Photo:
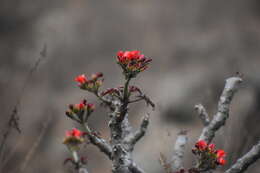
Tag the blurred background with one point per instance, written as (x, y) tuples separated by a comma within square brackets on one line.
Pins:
[(195, 46)]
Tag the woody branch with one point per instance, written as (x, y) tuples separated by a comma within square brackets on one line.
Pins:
[(178, 151), (245, 161), (222, 114), (123, 138)]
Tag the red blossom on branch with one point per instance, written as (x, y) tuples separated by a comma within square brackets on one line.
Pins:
[(91, 84), (80, 112), (132, 62), (220, 153), (208, 156), (81, 79), (74, 133), (201, 145), (221, 161), (211, 147), (73, 138), (118, 100)]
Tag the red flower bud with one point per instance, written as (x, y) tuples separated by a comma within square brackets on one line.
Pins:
[(220, 153), (81, 79), (211, 147), (74, 133), (132, 62), (73, 138), (80, 106), (127, 55), (221, 161), (120, 54), (91, 107), (201, 145)]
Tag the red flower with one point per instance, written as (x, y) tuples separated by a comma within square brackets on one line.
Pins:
[(208, 154), (220, 153), (201, 145), (211, 147), (221, 161), (81, 79), (74, 133), (129, 55), (91, 107), (91, 84), (80, 106), (74, 138), (132, 62), (120, 54)]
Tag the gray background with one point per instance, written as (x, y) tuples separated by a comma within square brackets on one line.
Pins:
[(195, 46)]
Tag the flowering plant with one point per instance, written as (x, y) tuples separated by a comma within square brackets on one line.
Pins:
[(132, 62), (208, 157), (123, 138)]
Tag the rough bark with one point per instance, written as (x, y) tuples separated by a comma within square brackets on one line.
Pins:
[(245, 161), (222, 114), (178, 152)]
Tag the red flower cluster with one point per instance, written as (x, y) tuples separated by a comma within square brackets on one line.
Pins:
[(77, 111), (132, 62), (81, 79), (220, 157), (91, 84), (73, 138), (208, 155), (74, 133), (201, 145)]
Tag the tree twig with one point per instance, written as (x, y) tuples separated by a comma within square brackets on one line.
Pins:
[(133, 138), (245, 161), (99, 142), (220, 118)]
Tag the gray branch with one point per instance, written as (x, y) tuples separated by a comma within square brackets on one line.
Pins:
[(80, 167), (99, 142), (219, 119), (202, 114), (133, 138), (135, 169), (248, 159), (178, 152)]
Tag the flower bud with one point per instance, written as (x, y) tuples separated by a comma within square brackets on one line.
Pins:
[(73, 138)]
